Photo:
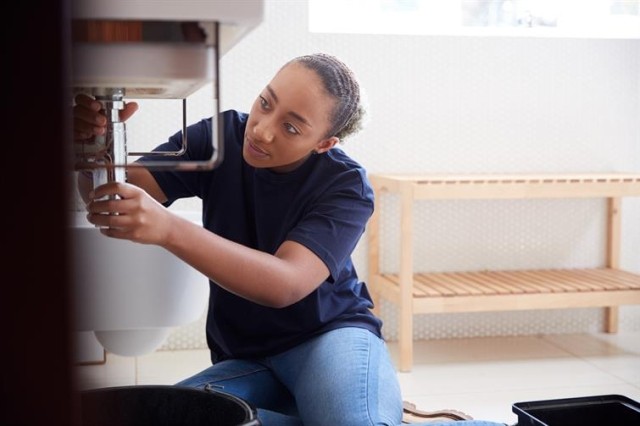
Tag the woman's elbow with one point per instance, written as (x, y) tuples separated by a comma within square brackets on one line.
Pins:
[(287, 296), (284, 300)]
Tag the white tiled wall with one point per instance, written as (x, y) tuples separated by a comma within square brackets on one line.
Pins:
[(461, 104)]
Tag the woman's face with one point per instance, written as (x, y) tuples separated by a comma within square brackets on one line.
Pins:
[(288, 121)]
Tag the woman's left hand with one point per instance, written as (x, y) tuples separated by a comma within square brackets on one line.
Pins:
[(128, 212)]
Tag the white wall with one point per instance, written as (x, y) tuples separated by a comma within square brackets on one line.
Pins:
[(461, 104)]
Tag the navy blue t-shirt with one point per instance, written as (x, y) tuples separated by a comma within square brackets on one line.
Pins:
[(324, 205)]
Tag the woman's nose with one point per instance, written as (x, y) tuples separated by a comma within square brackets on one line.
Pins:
[(263, 131)]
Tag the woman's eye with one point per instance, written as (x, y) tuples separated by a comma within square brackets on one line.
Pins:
[(263, 102), (291, 129)]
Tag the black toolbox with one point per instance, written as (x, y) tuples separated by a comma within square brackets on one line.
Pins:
[(603, 410)]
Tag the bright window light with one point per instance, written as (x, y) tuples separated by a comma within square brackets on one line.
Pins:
[(551, 18)]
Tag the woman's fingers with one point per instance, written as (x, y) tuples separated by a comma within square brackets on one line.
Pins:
[(111, 207), (127, 212), (87, 122), (87, 101), (129, 109), (120, 189), (118, 233)]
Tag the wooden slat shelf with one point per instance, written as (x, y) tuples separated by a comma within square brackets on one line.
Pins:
[(496, 283), (416, 292)]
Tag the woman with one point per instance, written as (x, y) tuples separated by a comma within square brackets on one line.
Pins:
[(289, 325)]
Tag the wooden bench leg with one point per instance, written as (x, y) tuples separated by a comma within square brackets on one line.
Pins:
[(406, 280), (611, 319), (613, 256), (406, 339)]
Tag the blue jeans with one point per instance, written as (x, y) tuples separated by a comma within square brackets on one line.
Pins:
[(343, 377)]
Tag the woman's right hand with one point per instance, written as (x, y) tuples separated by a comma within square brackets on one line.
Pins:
[(88, 119)]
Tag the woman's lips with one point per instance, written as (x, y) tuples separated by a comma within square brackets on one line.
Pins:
[(254, 150)]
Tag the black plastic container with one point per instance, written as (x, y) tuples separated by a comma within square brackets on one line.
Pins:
[(160, 405), (603, 410)]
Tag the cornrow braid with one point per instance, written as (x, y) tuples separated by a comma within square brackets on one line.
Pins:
[(339, 82)]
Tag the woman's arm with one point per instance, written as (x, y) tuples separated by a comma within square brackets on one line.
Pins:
[(276, 281)]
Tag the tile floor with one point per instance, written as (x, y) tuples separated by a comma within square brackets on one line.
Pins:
[(482, 377)]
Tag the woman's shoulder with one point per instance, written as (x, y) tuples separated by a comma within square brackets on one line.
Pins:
[(235, 116), (232, 120), (346, 171), (342, 162)]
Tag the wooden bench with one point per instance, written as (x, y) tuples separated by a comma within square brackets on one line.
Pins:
[(414, 292)]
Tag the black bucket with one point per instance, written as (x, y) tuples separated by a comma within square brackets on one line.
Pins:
[(599, 410), (161, 405)]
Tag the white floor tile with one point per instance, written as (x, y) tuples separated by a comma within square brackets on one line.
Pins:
[(628, 341), (617, 355), (626, 368), (116, 371), (588, 345), (169, 367), (497, 375), (449, 351)]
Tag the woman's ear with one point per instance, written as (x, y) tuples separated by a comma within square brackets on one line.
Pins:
[(326, 144)]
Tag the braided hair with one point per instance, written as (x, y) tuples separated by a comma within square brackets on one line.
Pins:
[(341, 84)]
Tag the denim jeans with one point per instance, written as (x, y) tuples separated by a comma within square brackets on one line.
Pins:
[(341, 378)]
